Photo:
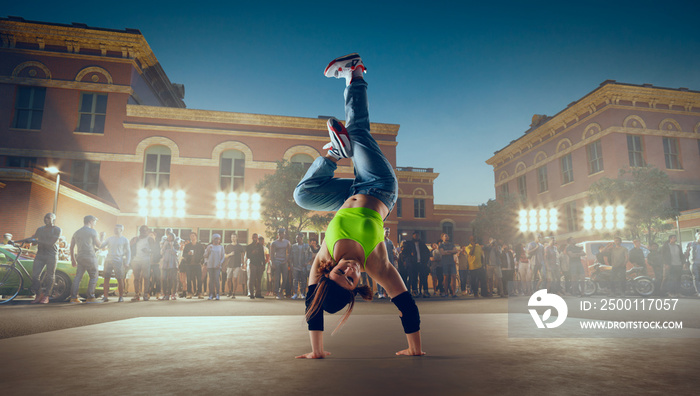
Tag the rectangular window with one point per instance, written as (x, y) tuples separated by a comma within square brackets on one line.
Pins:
[(399, 207), (157, 171), (522, 186), (635, 151), (571, 217), (21, 162), (542, 178), (671, 153), (232, 175), (419, 208), (86, 175), (93, 110), (679, 200), (567, 169), (29, 107), (504, 190), (595, 157)]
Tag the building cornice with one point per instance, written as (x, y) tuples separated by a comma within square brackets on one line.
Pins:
[(224, 117), (80, 40), (130, 43), (232, 132), (609, 95), (581, 144), (460, 209), (412, 176)]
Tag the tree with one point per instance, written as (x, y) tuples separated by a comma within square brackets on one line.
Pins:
[(278, 207), (497, 219), (645, 194)]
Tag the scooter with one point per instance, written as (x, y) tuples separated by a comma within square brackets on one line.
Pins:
[(600, 281)]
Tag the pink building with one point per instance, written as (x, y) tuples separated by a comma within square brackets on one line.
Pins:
[(615, 126)]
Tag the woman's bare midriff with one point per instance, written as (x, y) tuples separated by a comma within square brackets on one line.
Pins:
[(366, 201)]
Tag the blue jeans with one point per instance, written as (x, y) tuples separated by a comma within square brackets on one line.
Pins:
[(374, 175), (280, 278), (214, 274), (45, 285), (89, 265)]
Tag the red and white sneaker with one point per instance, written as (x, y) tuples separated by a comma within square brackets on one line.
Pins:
[(340, 146), (344, 66)]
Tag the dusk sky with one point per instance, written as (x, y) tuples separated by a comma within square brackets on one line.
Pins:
[(462, 79)]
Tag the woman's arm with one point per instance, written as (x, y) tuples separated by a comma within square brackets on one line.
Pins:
[(387, 276)]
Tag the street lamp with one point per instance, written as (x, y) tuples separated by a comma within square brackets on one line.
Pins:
[(55, 171)]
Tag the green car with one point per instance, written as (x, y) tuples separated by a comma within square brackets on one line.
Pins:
[(65, 273)]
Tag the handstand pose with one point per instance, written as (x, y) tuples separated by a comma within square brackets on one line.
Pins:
[(354, 238)]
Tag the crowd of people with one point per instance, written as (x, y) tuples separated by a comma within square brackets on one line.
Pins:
[(171, 267)]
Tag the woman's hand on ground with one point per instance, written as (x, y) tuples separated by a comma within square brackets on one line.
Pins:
[(409, 352), (314, 355)]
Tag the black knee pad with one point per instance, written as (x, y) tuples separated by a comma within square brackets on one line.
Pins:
[(410, 317)]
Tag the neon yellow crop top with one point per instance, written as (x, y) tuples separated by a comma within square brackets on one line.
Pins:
[(362, 225)]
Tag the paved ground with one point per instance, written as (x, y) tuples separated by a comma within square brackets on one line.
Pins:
[(247, 347)]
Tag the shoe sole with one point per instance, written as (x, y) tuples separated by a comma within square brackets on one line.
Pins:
[(340, 138), (345, 58)]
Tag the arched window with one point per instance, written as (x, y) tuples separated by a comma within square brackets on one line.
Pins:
[(232, 170), (304, 160), (156, 170)]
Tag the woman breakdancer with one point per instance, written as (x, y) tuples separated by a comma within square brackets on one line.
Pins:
[(354, 237)]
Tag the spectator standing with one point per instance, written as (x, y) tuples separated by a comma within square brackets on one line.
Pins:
[(494, 276), (214, 257), (255, 257), (418, 260), (477, 272), (235, 268), (507, 269), (619, 255), (143, 249), (403, 263), (463, 269), (436, 270), (551, 259), (118, 258), (193, 256), (300, 258), (47, 237), (693, 249), (169, 267), (523, 268), (576, 270), (636, 256), (449, 267), (674, 261), (535, 254), (85, 241), (279, 254)]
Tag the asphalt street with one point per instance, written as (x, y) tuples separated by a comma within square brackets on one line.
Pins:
[(245, 346)]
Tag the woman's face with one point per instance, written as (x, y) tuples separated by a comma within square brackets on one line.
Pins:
[(346, 274)]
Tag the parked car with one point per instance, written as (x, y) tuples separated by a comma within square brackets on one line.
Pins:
[(65, 273)]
